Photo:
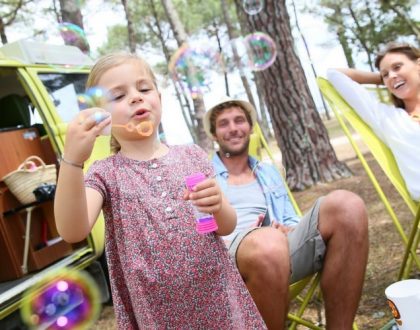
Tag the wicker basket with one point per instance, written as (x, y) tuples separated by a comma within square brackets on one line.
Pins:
[(23, 181)]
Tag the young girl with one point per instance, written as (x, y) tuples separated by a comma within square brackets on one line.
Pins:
[(397, 125), (163, 273)]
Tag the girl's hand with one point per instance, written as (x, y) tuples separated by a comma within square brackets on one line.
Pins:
[(206, 196), (82, 132)]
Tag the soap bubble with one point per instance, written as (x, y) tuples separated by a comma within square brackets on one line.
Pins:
[(95, 97), (256, 52), (252, 7), (261, 50), (193, 66), (56, 37), (65, 300), (74, 35)]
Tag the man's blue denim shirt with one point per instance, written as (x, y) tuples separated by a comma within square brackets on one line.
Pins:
[(280, 209)]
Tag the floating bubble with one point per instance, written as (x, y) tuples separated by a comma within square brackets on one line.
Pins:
[(65, 300), (95, 97), (60, 35), (252, 7), (261, 50), (74, 35), (193, 66)]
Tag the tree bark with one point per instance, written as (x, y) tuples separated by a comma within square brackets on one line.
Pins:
[(307, 152), (130, 29), (198, 102)]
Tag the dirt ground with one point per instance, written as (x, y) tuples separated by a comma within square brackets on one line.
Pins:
[(386, 246)]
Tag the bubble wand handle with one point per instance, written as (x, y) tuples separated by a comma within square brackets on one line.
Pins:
[(205, 223)]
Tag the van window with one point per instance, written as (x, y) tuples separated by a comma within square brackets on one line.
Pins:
[(63, 89), (16, 109)]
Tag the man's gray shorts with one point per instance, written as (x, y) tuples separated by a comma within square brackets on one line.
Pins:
[(306, 246)]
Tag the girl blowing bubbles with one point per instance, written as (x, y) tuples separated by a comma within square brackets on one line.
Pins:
[(163, 273)]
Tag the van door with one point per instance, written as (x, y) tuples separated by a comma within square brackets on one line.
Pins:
[(31, 124), (57, 95)]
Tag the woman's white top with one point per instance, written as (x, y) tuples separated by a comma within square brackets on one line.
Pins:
[(392, 125)]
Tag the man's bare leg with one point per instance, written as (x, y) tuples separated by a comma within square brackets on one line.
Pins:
[(263, 261), (343, 225)]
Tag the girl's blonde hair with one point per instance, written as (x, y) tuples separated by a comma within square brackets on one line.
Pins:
[(110, 61), (411, 52)]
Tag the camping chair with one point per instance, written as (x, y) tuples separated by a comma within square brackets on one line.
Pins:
[(311, 282), (386, 160)]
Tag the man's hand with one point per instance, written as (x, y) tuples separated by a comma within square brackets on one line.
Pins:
[(281, 227)]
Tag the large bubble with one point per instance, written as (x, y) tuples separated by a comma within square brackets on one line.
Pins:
[(74, 35), (65, 300), (261, 50), (255, 52), (193, 66), (252, 7), (60, 35)]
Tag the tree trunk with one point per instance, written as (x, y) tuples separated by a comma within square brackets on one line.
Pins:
[(130, 30), (2, 32), (236, 58), (70, 13), (307, 152), (345, 46), (360, 36), (198, 102)]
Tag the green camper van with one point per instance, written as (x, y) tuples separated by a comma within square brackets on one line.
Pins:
[(38, 96)]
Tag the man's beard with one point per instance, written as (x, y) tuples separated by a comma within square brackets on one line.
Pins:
[(228, 152)]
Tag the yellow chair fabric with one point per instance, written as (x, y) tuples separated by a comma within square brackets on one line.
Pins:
[(383, 155)]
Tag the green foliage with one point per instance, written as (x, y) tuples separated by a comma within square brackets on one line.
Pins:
[(364, 25)]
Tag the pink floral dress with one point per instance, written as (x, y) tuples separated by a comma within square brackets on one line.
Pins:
[(164, 275)]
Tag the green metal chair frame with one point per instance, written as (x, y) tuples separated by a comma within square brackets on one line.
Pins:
[(383, 155), (311, 282)]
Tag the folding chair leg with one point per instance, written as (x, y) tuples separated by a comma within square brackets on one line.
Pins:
[(410, 253), (296, 318)]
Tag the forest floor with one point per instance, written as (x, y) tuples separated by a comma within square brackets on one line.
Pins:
[(386, 248)]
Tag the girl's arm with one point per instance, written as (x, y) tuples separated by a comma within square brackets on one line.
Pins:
[(362, 77), (76, 208), (74, 219), (225, 217)]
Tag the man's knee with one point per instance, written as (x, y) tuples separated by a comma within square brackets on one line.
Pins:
[(344, 210), (264, 251)]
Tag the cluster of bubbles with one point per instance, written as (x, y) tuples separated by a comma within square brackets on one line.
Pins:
[(253, 7), (65, 300), (192, 66)]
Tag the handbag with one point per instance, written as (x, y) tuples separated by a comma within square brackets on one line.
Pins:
[(30, 175)]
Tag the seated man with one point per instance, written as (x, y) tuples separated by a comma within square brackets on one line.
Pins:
[(332, 237)]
